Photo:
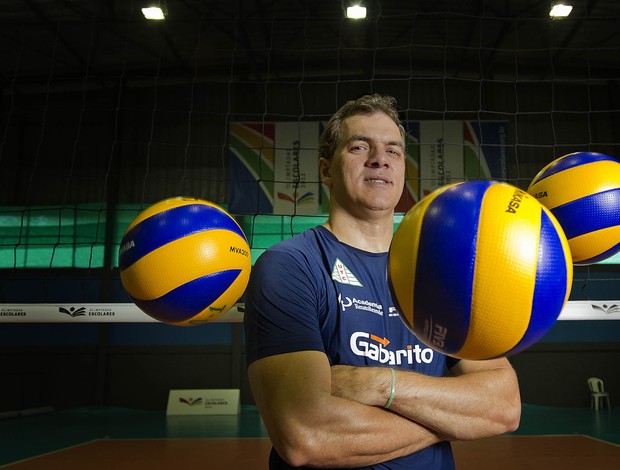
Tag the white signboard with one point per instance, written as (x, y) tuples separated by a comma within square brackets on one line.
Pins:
[(203, 402)]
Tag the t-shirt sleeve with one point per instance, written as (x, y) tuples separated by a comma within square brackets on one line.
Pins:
[(281, 306), (451, 361)]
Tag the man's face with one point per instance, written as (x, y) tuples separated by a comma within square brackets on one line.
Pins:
[(367, 170)]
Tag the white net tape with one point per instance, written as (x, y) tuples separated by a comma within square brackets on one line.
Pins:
[(129, 313)]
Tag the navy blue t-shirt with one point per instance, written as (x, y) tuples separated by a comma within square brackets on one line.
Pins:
[(312, 292)]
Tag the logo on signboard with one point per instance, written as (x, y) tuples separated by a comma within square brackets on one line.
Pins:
[(72, 311), (607, 309), (191, 401)]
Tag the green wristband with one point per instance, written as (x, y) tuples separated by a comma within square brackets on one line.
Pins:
[(392, 389)]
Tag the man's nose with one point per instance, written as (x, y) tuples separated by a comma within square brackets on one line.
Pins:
[(378, 158)]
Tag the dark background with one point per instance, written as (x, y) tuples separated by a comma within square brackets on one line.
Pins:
[(99, 105)]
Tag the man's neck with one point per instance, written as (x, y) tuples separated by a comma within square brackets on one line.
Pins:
[(373, 234)]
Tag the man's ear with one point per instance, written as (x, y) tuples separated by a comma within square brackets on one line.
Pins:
[(325, 170)]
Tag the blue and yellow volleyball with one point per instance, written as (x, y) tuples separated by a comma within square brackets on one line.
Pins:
[(184, 261), (479, 270), (582, 190)]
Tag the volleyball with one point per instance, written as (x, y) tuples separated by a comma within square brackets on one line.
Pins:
[(479, 270), (582, 190), (184, 261)]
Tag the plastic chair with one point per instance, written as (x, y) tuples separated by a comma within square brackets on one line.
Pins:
[(598, 395)]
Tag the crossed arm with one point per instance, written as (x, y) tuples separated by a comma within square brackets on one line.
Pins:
[(480, 399), (323, 416)]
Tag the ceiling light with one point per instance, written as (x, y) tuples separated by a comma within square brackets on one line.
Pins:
[(356, 12), (154, 12), (560, 10)]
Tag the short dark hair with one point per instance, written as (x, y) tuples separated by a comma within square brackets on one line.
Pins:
[(366, 104)]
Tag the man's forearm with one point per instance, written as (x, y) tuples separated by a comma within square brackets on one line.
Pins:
[(472, 405)]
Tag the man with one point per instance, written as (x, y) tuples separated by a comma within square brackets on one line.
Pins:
[(338, 378)]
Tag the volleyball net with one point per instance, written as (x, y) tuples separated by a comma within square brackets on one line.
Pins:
[(103, 114)]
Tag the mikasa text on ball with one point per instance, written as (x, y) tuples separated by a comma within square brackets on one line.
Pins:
[(582, 190), (479, 270), (184, 261)]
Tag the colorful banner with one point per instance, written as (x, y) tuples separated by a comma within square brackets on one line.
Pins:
[(273, 167), (250, 168), (296, 168), (484, 149), (411, 192), (441, 154)]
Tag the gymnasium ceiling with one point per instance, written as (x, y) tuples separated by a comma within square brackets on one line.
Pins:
[(72, 41)]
